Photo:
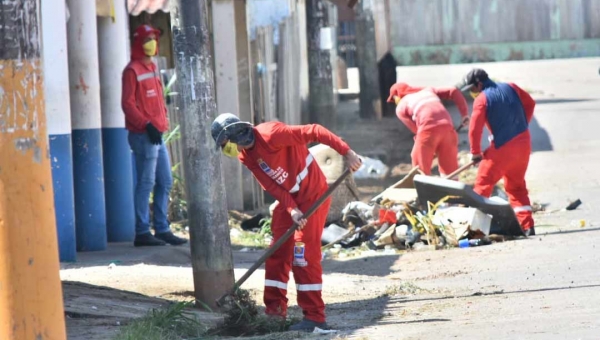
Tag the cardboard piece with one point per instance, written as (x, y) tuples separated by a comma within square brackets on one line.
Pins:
[(399, 195), (404, 183), (461, 220)]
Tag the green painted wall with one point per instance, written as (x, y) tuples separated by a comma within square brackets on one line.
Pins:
[(457, 54), (461, 31)]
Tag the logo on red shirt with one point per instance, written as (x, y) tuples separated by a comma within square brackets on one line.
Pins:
[(278, 175)]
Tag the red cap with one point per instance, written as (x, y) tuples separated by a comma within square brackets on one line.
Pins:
[(401, 90), (141, 33)]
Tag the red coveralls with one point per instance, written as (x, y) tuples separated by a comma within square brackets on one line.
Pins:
[(510, 160), (142, 97), (284, 167), (422, 111)]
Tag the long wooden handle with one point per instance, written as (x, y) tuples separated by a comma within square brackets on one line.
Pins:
[(460, 170), (285, 236)]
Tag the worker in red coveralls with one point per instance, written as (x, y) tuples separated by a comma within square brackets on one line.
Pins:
[(506, 110), (146, 120), (279, 159), (422, 111)]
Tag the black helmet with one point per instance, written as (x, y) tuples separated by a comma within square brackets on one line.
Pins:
[(228, 126), (474, 76)]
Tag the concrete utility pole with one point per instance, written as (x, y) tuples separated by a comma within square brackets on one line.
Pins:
[(212, 260), (320, 72), (31, 305), (366, 48)]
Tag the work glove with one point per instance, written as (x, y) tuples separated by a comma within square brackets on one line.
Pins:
[(298, 218), (477, 158), (154, 135)]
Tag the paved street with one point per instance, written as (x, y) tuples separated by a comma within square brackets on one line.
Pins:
[(547, 287)]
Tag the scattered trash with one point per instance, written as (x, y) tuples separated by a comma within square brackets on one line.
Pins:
[(94, 308), (334, 232), (363, 210), (234, 233), (444, 214), (112, 265), (573, 205), (466, 243), (388, 250), (245, 250), (461, 220), (578, 223), (504, 220), (324, 331), (371, 168)]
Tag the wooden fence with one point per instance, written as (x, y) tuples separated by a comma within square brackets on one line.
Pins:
[(276, 73), (275, 78)]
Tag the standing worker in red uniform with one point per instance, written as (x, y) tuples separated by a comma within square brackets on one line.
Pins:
[(506, 110), (279, 159), (422, 111), (146, 120)]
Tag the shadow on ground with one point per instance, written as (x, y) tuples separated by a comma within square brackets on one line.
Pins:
[(370, 266)]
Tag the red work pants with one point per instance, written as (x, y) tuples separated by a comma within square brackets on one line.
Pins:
[(509, 162), (441, 141), (308, 278)]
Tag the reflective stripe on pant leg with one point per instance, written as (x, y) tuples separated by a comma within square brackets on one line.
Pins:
[(278, 265), (522, 208), (309, 280), (276, 284), (309, 287)]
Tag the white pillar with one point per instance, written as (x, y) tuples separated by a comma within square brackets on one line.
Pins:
[(58, 117), (88, 173), (113, 48), (233, 88)]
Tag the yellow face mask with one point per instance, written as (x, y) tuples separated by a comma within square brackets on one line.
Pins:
[(474, 94), (150, 48), (397, 99), (230, 150)]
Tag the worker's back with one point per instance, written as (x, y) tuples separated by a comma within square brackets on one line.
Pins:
[(505, 114)]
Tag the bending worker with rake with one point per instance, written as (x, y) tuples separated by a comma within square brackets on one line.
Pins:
[(423, 113), (279, 159)]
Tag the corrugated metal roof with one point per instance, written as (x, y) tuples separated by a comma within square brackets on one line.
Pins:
[(135, 7)]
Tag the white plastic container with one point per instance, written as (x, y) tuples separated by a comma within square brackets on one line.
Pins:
[(459, 217)]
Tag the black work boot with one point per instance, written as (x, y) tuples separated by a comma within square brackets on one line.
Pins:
[(170, 238), (147, 240), (308, 326), (530, 232)]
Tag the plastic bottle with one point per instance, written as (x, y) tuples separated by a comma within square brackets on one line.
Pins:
[(465, 243)]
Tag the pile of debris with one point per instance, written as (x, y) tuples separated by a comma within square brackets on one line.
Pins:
[(412, 213)]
